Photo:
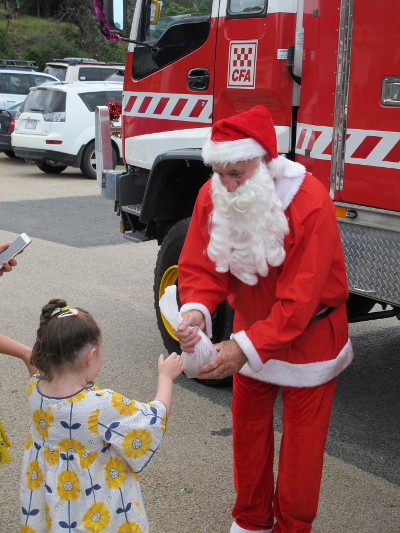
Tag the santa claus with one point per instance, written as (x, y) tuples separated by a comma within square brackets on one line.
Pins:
[(264, 236)]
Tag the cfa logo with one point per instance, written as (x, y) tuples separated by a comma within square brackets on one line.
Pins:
[(242, 64)]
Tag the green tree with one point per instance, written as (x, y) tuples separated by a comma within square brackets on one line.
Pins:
[(5, 45)]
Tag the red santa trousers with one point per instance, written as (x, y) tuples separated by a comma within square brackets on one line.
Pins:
[(306, 414)]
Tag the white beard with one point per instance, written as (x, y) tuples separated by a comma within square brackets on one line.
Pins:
[(247, 227)]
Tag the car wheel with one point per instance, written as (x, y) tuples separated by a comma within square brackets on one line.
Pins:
[(10, 153), (88, 162), (166, 274), (50, 168)]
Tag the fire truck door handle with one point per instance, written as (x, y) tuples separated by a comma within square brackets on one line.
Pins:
[(198, 79)]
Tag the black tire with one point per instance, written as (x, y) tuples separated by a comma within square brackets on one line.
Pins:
[(358, 305), (165, 274), (50, 168), (88, 161), (10, 153)]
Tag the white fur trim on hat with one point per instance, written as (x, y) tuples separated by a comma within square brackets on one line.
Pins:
[(231, 151)]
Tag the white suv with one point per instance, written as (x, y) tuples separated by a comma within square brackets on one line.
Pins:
[(81, 69), (55, 126), (16, 77)]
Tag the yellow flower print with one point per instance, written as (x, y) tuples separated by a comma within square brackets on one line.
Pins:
[(115, 473), (47, 516), (163, 421), (31, 386), (77, 397), (136, 443), (29, 440), (43, 421), (34, 476), (129, 527), (96, 518), (123, 405), (93, 422), (71, 445), (87, 459), (4, 455), (51, 456), (27, 529), (68, 488), (137, 505)]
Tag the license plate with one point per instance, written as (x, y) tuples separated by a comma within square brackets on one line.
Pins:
[(30, 124)]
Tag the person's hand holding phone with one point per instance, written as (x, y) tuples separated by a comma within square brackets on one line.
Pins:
[(7, 265), (8, 251)]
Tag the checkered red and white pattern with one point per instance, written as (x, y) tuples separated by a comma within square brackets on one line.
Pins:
[(243, 56), (242, 64)]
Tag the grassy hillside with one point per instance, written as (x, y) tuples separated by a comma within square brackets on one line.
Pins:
[(41, 40)]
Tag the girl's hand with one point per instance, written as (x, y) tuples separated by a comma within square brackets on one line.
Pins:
[(170, 367)]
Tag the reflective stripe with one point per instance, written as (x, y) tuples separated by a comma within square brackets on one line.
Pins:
[(167, 106), (363, 147)]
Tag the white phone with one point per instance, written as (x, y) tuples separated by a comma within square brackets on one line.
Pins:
[(15, 248)]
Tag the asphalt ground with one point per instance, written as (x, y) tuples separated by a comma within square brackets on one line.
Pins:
[(78, 253)]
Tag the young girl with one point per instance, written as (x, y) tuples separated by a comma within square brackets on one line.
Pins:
[(86, 445)]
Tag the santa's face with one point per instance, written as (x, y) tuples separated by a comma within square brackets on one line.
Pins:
[(234, 174), (247, 224)]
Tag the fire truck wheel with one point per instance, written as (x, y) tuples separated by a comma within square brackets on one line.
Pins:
[(358, 305), (166, 274), (88, 162), (50, 168)]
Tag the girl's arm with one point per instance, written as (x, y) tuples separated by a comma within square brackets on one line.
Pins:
[(16, 349), (168, 370)]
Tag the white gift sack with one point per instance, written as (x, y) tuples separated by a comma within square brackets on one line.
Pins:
[(204, 349)]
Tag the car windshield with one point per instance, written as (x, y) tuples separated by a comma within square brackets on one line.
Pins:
[(167, 13), (15, 107), (58, 72), (94, 99), (45, 101), (94, 73)]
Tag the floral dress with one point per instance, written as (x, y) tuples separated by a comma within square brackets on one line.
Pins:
[(82, 458), (4, 444)]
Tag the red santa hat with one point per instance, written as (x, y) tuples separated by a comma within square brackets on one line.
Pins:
[(244, 136)]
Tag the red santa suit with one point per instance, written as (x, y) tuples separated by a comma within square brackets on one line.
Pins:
[(272, 327)]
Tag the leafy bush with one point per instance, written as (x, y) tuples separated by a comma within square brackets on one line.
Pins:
[(41, 40), (6, 49)]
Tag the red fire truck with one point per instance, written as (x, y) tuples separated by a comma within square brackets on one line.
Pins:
[(328, 71)]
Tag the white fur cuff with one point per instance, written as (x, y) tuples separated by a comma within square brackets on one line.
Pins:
[(254, 361), (203, 309)]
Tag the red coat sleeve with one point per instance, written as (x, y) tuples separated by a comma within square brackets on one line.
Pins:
[(198, 280)]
